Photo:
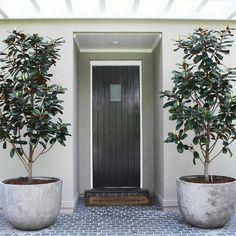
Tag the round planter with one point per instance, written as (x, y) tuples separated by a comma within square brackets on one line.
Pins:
[(32, 207), (206, 205)]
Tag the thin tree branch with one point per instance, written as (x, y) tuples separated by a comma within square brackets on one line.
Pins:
[(219, 152), (42, 152), (198, 99), (35, 146), (213, 145), (22, 146), (215, 156), (20, 157), (218, 48), (192, 151), (214, 109), (202, 150)]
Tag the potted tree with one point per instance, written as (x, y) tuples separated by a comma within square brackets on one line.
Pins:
[(204, 109), (29, 127)]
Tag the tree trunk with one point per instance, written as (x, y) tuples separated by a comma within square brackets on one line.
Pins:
[(206, 171), (30, 164), (206, 157), (30, 172)]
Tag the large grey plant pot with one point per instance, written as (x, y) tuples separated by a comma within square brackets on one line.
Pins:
[(32, 207), (206, 205)]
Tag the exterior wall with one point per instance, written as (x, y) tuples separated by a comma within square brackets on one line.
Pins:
[(158, 121), (84, 114), (60, 161), (76, 126)]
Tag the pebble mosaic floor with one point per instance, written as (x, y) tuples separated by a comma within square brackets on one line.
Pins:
[(118, 221)]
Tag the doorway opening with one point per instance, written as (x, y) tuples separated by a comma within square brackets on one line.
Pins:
[(116, 124)]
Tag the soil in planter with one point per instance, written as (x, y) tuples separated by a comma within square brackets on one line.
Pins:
[(24, 181), (214, 179)]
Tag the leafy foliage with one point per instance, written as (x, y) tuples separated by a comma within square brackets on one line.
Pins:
[(29, 103), (201, 100)]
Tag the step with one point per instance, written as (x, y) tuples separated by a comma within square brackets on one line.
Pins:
[(115, 192)]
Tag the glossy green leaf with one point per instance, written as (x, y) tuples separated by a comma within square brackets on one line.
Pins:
[(12, 152), (195, 156), (179, 124), (168, 104), (195, 140), (180, 148), (224, 149)]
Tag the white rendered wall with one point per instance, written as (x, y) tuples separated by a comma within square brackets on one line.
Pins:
[(158, 121), (60, 161), (76, 191)]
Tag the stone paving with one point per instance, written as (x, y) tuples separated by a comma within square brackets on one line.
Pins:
[(117, 221)]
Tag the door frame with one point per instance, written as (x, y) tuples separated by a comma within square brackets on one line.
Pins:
[(116, 63)]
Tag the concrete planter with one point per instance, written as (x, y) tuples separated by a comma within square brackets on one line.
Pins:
[(32, 207), (206, 205)]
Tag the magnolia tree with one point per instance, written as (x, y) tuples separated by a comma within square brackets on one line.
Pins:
[(201, 101), (29, 102)]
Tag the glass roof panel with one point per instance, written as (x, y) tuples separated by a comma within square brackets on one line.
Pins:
[(85, 8), (184, 9), (219, 9), (17, 8), (151, 8), (141, 9), (52, 8), (118, 8)]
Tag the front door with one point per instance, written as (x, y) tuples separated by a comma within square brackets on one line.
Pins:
[(116, 126)]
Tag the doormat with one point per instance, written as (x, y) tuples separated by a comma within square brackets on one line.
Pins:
[(134, 200)]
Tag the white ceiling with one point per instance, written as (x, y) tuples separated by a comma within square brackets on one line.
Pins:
[(117, 42), (118, 9)]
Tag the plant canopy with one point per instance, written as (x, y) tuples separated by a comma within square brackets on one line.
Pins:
[(201, 101), (29, 103)]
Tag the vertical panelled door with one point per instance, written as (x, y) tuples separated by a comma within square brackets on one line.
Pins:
[(116, 126)]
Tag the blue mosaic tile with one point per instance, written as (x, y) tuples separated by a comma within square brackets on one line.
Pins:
[(120, 220)]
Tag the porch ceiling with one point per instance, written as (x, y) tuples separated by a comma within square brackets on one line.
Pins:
[(118, 9), (121, 42)]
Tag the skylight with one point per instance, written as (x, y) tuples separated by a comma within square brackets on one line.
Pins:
[(118, 9)]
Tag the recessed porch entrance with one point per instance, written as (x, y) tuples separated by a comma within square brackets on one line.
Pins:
[(145, 50)]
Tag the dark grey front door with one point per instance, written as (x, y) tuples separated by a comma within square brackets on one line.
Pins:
[(116, 126)]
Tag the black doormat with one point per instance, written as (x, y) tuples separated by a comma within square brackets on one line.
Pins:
[(129, 200)]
